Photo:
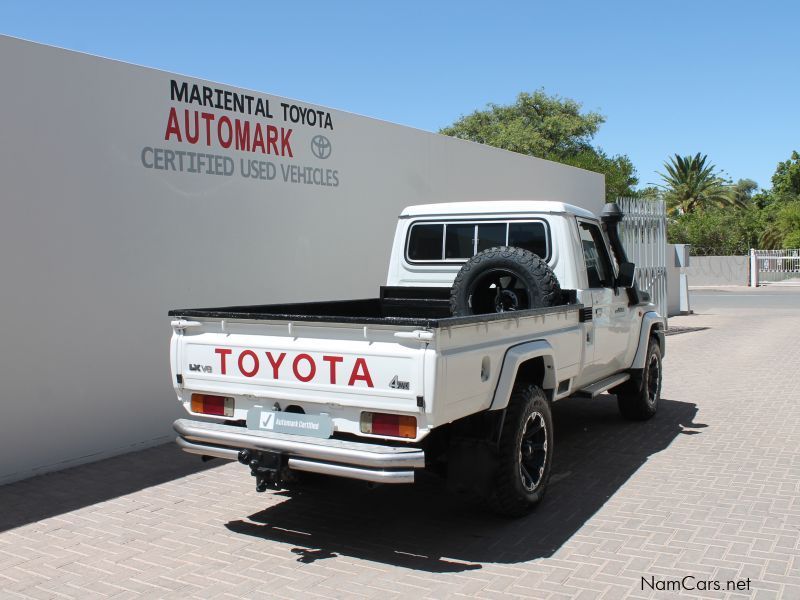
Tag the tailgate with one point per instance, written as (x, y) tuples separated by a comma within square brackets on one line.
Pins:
[(333, 364)]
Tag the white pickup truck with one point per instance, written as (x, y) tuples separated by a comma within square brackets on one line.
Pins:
[(492, 312)]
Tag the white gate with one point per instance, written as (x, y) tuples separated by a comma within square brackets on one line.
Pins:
[(774, 266), (643, 232)]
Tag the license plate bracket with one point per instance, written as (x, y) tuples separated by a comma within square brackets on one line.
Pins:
[(320, 426)]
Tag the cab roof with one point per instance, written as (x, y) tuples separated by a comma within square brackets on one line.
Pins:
[(493, 207)]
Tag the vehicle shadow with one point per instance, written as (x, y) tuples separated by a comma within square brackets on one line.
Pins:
[(426, 528), (53, 494)]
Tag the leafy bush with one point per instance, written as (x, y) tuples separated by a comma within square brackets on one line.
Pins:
[(718, 231)]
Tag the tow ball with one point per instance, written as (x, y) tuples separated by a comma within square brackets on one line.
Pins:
[(265, 466)]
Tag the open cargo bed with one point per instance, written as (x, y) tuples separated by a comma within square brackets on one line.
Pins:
[(427, 307)]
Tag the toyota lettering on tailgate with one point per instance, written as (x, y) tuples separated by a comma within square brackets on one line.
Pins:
[(302, 367)]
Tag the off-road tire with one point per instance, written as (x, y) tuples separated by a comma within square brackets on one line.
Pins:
[(638, 397), (537, 285), (528, 409)]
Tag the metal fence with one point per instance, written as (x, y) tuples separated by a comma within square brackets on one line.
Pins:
[(644, 234), (774, 266)]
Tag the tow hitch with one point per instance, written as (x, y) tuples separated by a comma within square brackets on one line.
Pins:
[(265, 466)]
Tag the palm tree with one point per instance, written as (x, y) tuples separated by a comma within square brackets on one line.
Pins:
[(691, 185)]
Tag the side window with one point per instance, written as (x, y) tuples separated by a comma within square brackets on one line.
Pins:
[(459, 240), (529, 236), (425, 242), (491, 235), (598, 264)]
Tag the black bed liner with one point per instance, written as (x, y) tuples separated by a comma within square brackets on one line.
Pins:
[(427, 307)]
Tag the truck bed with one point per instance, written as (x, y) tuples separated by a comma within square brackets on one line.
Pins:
[(340, 360), (427, 307)]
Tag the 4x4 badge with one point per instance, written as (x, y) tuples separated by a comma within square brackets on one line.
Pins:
[(396, 384)]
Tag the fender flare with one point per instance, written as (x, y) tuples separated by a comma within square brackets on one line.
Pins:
[(652, 322), (514, 357)]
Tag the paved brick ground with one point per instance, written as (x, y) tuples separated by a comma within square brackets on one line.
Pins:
[(709, 488)]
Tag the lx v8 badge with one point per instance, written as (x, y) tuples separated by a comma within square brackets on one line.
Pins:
[(201, 368)]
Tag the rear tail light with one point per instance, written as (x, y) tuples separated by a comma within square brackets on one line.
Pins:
[(207, 404), (391, 425)]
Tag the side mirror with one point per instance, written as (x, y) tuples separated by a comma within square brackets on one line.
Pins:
[(626, 275)]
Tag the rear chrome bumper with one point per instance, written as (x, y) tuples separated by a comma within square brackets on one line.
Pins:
[(354, 460)]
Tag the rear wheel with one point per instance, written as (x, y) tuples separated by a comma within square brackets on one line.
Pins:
[(525, 453), (638, 398)]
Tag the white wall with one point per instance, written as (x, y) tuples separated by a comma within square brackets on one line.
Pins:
[(95, 248), (718, 270)]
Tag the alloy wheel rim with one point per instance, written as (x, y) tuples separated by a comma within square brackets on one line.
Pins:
[(498, 291), (653, 379), (533, 451)]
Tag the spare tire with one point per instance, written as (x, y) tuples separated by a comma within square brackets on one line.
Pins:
[(503, 279)]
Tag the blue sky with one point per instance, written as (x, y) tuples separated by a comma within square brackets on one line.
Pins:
[(721, 78)]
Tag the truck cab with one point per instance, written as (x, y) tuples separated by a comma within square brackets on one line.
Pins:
[(433, 241)]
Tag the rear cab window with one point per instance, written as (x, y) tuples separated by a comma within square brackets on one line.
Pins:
[(428, 242), (458, 241)]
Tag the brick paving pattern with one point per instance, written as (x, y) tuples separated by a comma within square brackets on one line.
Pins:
[(709, 488)]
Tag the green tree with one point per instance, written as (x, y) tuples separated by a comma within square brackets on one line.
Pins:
[(548, 127), (786, 180), (702, 214), (744, 191), (650, 192), (783, 225), (792, 240), (781, 206), (690, 184), (619, 171), (718, 231)]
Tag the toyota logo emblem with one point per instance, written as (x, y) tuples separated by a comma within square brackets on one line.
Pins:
[(321, 146)]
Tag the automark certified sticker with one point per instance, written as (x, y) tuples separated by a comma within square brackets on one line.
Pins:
[(289, 422)]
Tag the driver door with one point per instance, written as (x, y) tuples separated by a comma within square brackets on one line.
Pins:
[(609, 304)]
